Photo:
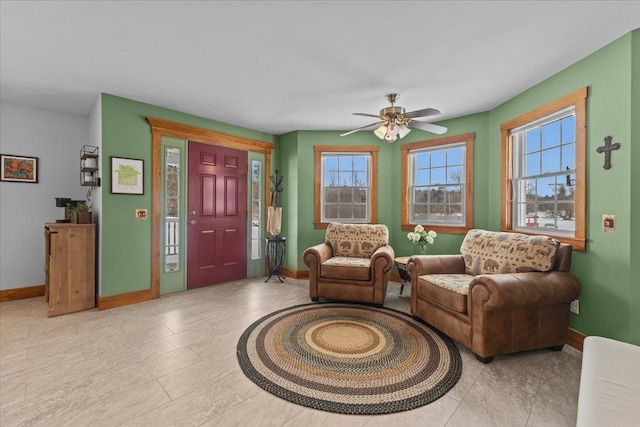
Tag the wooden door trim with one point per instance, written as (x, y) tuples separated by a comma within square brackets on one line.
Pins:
[(228, 259), (160, 128)]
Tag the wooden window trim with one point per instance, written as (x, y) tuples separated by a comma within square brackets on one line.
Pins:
[(578, 100), (370, 149), (467, 139)]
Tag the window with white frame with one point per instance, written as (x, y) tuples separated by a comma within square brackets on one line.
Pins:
[(438, 178), (437, 188), (345, 184), (543, 171), (256, 209), (345, 187), (172, 196), (544, 174)]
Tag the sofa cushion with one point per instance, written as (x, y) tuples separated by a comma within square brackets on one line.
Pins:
[(449, 290), (349, 268), (356, 240), (458, 283), (489, 252)]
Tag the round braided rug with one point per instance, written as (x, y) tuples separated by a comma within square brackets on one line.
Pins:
[(347, 358)]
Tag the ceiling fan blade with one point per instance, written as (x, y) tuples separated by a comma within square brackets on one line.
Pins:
[(429, 127), (422, 113), (372, 125), (366, 115)]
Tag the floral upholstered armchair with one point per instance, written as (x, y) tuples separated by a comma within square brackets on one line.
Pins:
[(504, 292), (352, 264)]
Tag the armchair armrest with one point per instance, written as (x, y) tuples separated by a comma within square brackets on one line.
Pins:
[(420, 265), (317, 254), (500, 291), (313, 257), (382, 260)]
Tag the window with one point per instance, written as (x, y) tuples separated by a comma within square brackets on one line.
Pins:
[(256, 209), (346, 184), (437, 183), (172, 209), (543, 176)]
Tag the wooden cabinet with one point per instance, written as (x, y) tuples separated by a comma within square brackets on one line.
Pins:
[(70, 253)]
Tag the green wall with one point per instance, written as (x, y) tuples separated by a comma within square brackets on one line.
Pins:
[(126, 242), (297, 160), (633, 145), (609, 269), (289, 199), (610, 299), (607, 300), (297, 157)]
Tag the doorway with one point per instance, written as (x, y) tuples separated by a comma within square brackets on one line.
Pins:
[(163, 128), (216, 215)]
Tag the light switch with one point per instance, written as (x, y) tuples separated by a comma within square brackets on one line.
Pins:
[(141, 214)]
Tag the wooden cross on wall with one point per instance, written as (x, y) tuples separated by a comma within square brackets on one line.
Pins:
[(606, 149)]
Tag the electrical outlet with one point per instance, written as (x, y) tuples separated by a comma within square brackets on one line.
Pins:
[(575, 306)]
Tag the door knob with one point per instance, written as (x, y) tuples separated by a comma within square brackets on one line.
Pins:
[(193, 212), (193, 222)]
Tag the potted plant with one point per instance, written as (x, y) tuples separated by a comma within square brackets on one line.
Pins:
[(80, 213)]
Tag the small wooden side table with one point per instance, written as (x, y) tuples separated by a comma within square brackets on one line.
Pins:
[(401, 264)]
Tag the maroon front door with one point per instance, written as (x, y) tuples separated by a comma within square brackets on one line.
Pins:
[(217, 216)]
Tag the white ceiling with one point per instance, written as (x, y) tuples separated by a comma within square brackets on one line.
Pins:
[(279, 66)]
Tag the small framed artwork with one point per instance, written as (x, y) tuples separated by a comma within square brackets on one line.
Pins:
[(127, 176), (18, 168)]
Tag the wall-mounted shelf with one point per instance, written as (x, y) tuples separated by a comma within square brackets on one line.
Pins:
[(89, 166)]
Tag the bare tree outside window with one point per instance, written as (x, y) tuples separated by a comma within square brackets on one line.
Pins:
[(546, 154), (438, 178), (345, 187)]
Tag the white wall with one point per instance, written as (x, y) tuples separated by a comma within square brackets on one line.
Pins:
[(56, 140), (95, 130)]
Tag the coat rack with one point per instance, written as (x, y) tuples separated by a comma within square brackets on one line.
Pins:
[(276, 245), (276, 187)]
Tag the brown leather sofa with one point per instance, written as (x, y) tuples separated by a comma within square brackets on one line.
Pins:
[(504, 293), (352, 264)]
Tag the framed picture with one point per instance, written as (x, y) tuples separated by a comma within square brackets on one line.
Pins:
[(18, 168), (127, 176)]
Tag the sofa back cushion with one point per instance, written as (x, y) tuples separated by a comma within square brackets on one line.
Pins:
[(490, 252), (356, 240)]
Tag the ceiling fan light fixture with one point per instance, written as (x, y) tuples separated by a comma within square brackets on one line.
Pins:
[(403, 131), (381, 131), (392, 133), (389, 138), (394, 123)]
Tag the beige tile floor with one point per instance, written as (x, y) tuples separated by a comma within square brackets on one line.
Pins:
[(172, 362)]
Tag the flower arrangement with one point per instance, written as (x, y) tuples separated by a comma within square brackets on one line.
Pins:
[(421, 237)]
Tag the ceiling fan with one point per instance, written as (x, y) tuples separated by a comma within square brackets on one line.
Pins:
[(394, 123)]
